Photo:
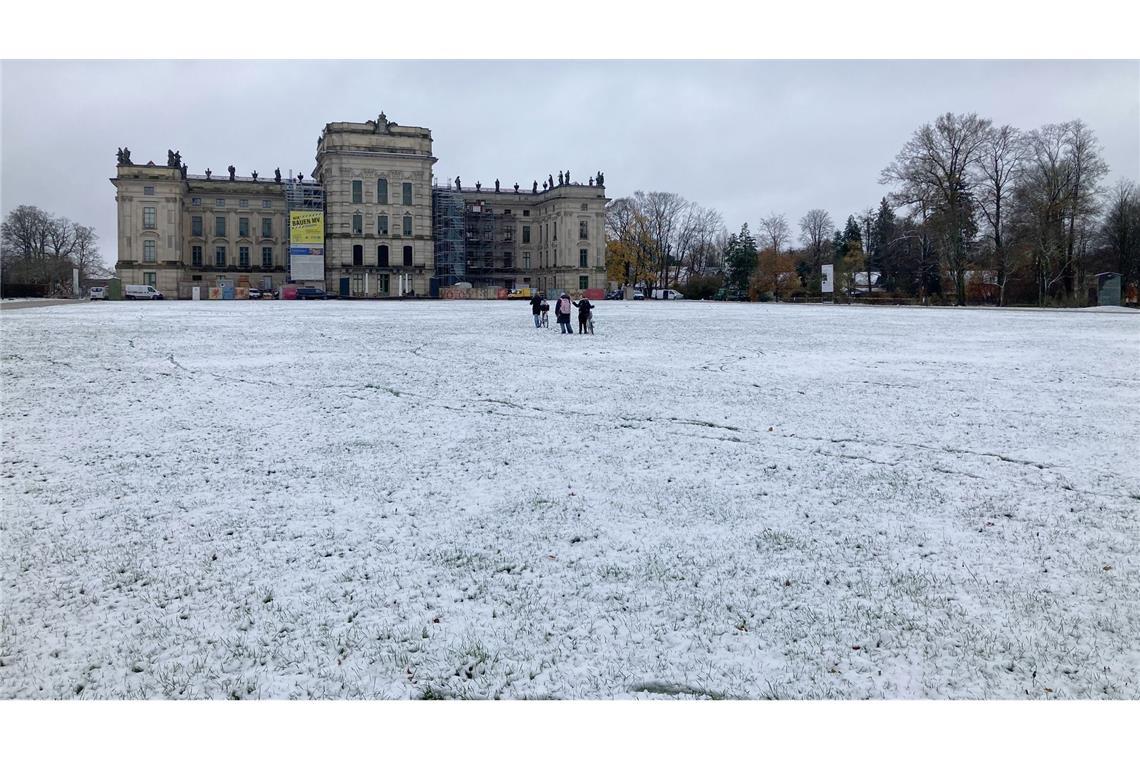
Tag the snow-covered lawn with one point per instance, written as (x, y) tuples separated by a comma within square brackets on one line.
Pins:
[(349, 500)]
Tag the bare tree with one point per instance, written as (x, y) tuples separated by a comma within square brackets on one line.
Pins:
[(1042, 200), (816, 229), (40, 250), (775, 232), (1088, 168), (1003, 157), (936, 164)]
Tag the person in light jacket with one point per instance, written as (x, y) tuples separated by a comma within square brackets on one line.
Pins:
[(562, 311)]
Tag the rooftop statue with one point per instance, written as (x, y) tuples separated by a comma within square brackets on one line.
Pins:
[(232, 171), (277, 175)]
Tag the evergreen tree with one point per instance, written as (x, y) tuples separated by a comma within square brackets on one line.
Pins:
[(740, 258), (882, 247)]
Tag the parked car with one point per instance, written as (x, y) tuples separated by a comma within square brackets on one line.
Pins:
[(667, 294), (638, 295), (307, 294), (98, 294), (254, 293), (614, 295), (144, 292)]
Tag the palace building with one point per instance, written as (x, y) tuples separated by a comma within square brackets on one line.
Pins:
[(391, 228)]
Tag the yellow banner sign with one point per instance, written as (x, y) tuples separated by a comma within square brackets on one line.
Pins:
[(306, 228)]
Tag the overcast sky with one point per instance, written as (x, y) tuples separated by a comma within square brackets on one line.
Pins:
[(746, 138)]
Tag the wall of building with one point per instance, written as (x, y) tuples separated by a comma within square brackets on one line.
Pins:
[(157, 206), (367, 152)]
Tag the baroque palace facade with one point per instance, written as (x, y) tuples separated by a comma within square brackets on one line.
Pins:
[(391, 229)]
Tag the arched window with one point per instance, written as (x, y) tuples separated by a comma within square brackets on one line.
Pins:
[(382, 256), (407, 255), (358, 255)]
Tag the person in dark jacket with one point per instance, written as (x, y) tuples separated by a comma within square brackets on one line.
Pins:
[(585, 322), (562, 311), (536, 308)]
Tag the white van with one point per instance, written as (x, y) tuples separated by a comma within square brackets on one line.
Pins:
[(145, 292), (667, 294)]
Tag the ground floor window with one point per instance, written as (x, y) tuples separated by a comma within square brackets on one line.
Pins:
[(583, 282), (358, 284), (382, 283), (150, 278), (267, 283)]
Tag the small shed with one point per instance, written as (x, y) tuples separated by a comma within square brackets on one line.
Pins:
[(1108, 289)]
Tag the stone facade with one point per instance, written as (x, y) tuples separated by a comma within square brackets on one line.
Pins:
[(377, 181), (177, 230)]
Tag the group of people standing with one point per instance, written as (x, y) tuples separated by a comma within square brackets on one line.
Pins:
[(563, 308)]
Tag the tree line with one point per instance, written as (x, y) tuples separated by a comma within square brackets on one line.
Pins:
[(39, 250), (974, 212)]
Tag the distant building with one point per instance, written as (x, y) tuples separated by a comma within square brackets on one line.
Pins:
[(390, 227)]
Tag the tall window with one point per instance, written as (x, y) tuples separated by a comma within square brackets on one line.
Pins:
[(382, 191), (382, 256), (243, 226), (382, 283), (554, 227), (358, 255), (407, 255), (583, 282), (583, 258), (267, 257), (407, 193), (148, 252), (220, 226), (243, 256), (196, 226), (526, 233), (358, 284), (382, 224), (357, 224), (526, 261), (195, 255), (149, 278), (583, 230), (408, 225), (267, 226), (220, 256), (150, 218), (357, 191)]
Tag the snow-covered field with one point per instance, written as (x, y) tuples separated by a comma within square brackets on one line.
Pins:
[(357, 500)]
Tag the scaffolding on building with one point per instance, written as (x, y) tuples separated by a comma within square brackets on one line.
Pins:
[(303, 196), (448, 226), (490, 246)]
